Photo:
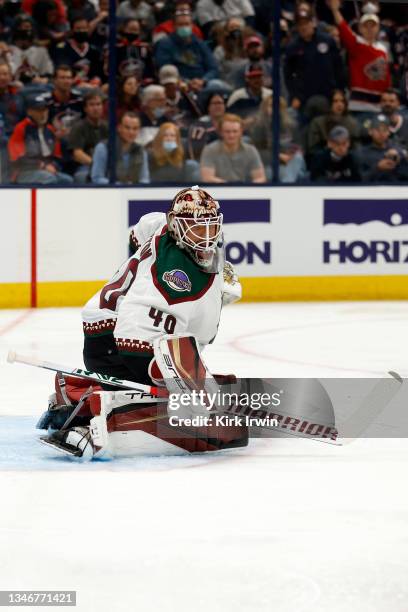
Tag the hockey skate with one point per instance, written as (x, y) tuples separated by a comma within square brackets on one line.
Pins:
[(76, 442)]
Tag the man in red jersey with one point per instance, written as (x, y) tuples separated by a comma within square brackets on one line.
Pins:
[(368, 60)]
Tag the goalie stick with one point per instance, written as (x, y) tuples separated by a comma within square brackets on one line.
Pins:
[(372, 405), (143, 390), (368, 410)]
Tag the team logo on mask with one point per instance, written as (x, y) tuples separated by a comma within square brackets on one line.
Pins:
[(177, 280)]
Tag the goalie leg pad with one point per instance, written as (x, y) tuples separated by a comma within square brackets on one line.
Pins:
[(128, 426), (70, 391)]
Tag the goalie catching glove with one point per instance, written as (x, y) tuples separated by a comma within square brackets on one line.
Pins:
[(232, 290)]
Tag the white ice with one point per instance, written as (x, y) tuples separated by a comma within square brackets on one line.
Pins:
[(281, 526)]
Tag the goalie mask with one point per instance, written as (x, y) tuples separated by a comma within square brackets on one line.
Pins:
[(195, 224)]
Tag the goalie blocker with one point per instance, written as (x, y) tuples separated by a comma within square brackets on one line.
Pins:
[(83, 420)]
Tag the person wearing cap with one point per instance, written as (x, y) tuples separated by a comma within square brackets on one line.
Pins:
[(182, 105), (245, 102), (192, 56), (382, 160), (313, 65), (369, 70), (34, 150), (255, 54), (335, 163), (153, 113)]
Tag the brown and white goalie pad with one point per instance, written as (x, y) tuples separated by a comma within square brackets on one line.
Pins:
[(126, 425)]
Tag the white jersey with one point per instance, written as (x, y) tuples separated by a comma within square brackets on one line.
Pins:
[(159, 290)]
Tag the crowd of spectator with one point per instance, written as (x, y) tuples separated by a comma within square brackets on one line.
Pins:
[(194, 92)]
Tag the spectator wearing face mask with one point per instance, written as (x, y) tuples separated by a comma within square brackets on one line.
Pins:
[(382, 161), (230, 52), (167, 162), (78, 53), (153, 113), (213, 11), (368, 60), (189, 54), (167, 27), (133, 55), (29, 62), (335, 163), (398, 121)]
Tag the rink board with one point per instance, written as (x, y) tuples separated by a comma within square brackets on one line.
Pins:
[(60, 245)]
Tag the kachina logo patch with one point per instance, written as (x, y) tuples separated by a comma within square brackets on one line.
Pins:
[(177, 280), (365, 231)]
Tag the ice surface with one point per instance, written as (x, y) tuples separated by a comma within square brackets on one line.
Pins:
[(285, 525)]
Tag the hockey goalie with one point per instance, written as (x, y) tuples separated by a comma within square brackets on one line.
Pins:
[(149, 324)]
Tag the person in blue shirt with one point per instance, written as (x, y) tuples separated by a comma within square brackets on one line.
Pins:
[(191, 55), (131, 158)]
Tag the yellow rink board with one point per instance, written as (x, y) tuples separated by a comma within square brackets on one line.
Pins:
[(15, 295), (301, 288)]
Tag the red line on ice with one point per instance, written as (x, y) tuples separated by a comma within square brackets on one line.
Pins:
[(33, 248), (24, 315), (254, 353)]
